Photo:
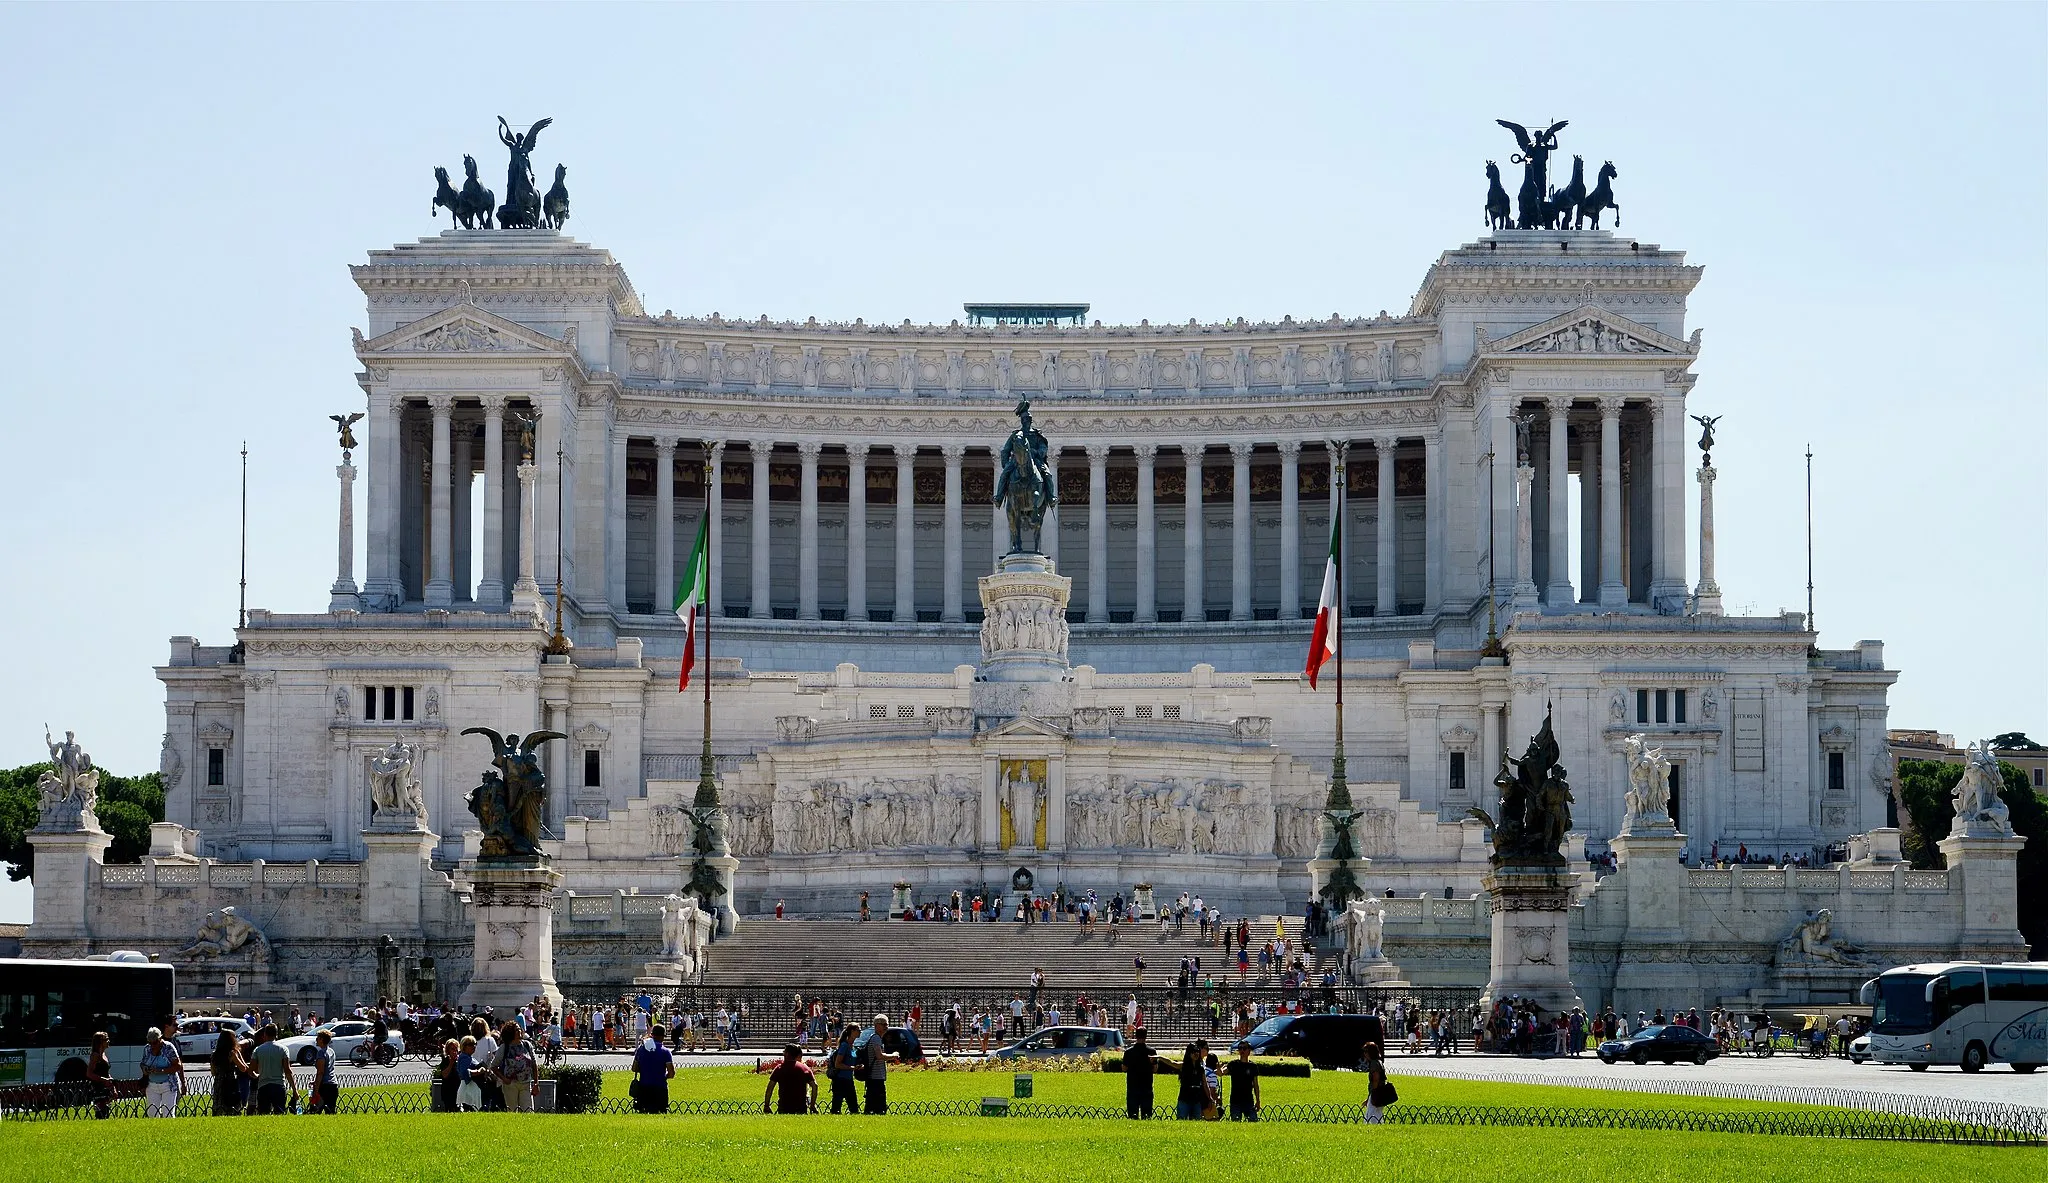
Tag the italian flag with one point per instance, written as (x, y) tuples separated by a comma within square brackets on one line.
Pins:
[(1322, 644), (694, 589)]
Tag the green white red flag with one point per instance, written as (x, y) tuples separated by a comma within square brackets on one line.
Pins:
[(1322, 644), (691, 593)]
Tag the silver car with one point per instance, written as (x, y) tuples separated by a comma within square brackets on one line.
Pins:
[(1047, 1042), (198, 1034)]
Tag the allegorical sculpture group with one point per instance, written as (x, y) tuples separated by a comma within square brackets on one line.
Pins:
[(1535, 805), (1538, 206), (525, 208)]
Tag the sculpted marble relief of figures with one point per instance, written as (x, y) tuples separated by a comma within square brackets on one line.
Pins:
[(872, 813), (1175, 813)]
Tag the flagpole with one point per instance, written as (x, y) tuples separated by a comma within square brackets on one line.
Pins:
[(1340, 790), (707, 784)]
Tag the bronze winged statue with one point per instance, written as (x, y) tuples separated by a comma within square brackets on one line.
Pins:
[(1534, 211), (345, 422), (511, 802)]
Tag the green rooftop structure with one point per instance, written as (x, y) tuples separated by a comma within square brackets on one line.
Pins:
[(1026, 314)]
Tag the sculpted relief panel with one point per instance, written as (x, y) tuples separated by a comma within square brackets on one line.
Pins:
[(1174, 813), (834, 814)]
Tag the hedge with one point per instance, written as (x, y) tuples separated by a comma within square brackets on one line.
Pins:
[(576, 1087)]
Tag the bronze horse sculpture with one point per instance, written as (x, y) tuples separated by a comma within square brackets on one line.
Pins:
[(1601, 198), (445, 197), (555, 206), (1497, 214), (476, 200), (1565, 201)]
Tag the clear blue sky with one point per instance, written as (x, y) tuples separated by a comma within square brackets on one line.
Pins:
[(185, 188)]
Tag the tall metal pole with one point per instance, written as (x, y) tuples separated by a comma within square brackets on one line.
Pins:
[(242, 605), (707, 782), (1340, 788), (559, 643), (1810, 627)]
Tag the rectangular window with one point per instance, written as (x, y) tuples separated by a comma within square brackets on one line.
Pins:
[(216, 766), (1145, 712), (1678, 706), (1116, 712), (1677, 787), (390, 703), (406, 712), (1457, 772), (1663, 706), (1172, 711), (2037, 778), (877, 711), (1836, 781), (906, 712), (593, 768), (1642, 706), (369, 703)]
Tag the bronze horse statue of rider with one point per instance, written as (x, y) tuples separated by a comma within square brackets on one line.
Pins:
[(1027, 486)]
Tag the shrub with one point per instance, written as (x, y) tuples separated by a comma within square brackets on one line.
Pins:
[(576, 1087)]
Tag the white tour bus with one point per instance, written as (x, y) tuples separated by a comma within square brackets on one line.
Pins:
[(1966, 1013), (50, 1009)]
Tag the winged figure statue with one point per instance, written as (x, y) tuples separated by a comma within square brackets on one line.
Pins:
[(1533, 200), (511, 802), (345, 423)]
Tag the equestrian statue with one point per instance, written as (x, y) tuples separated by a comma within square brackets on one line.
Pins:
[(1028, 485)]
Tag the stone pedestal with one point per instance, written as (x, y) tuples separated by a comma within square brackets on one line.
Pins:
[(526, 600), (726, 867), (1377, 972), (1142, 903), (1023, 667), (395, 869), (1656, 888), (1876, 848), (1989, 868), (1531, 907), (899, 898), (515, 936), (64, 862)]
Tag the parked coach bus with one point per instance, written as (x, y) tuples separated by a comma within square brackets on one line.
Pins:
[(1965, 1013), (50, 1009)]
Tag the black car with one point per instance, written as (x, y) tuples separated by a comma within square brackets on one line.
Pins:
[(1326, 1041), (1670, 1043)]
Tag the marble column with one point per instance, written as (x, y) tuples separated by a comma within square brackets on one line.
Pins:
[(1098, 533), (857, 530), (1668, 535), (1501, 468), (1049, 536), (490, 590), (906, 533), (440, 587), (998, 521), (615, 524), (382, 587), (1290, 530), (807, 532), (1709, 591), (342, 596), (462, 476), (1240, 531), (1147, 609), (949, 602), (525, 588), (757, 582), (664, 522), (1613, 592), (1191, 565), (1525, 529), (714, 450), (1558, 589), (1386, 532), (1589, 518), (1433, 521)]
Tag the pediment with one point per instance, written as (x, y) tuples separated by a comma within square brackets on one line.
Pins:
[(463, 328), (1026, 726), (1590, 329)]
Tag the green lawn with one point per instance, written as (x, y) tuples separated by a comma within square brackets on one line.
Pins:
[(541, 1149)]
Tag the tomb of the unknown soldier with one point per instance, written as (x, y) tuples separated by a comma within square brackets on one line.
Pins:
[(776, 627)]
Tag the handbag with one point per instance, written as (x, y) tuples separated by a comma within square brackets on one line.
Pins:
[(1384, 1094), (469, 1096)]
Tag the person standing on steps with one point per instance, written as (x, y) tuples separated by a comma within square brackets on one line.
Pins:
[(1139, 1062)]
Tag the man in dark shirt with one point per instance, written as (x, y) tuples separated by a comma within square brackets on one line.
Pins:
[(1139, 1062), (799, 1086), (1244, 1086), (1194, 1082)]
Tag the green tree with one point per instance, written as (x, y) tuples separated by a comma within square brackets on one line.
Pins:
[(127, 806), (2015, 741), (1927, 813)]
